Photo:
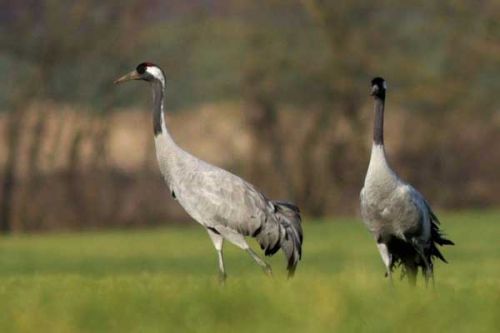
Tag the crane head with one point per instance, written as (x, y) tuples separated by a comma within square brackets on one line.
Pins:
[(379, 86), (145, 71)]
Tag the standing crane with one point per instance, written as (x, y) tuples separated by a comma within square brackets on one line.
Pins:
[(227, 206), (404, 226)]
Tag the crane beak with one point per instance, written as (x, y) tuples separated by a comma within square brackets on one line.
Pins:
[(127, 77), (374, 90)]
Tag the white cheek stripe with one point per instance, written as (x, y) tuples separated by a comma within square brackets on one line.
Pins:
[(157, 73)]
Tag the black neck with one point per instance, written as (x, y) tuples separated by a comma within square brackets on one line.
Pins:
[(158, 95), (378, 127)]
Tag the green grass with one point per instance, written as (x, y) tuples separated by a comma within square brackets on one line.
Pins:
[(165, 280)]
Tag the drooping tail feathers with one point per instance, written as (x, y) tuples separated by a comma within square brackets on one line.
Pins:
[(283, 230), (437, 237), (405, 254)]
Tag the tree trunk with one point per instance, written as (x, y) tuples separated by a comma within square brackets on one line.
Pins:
[(14, 128), (267, 147)]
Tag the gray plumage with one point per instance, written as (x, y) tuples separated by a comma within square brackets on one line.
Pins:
[(227, 206), (404, 226)]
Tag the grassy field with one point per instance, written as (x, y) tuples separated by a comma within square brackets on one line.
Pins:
[(164, 280)]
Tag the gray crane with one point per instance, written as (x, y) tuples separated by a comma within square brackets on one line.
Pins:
[(404, 226), (228, 207)]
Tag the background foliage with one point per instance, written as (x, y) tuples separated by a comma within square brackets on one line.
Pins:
[(289, 79)]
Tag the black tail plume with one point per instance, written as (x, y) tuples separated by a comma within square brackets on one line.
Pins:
[(437, 237), (291, 236)]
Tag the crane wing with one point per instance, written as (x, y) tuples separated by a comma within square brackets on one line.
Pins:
[(227, 200)]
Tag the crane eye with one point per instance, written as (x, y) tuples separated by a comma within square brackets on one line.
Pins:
[(141, 69)]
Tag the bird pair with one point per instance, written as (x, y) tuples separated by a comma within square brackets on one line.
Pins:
[(404, 226)]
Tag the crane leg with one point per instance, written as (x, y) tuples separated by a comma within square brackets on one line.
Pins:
[(265, 266), (218, 244), (387, 259), (427, 270), (238, 240)]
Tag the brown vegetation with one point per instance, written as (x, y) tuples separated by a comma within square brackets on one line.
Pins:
[(276, 91), (74, 188)]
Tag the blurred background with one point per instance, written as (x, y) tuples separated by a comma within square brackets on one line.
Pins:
[(275, 91)]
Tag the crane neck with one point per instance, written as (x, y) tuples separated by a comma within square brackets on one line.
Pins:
[(159, 126), (378, 125), (378, 162), (168, 154)]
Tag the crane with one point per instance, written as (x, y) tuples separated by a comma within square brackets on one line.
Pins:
[(228, 207), (400, 219)]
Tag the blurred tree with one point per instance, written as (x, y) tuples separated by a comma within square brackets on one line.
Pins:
[(66, 47), (301, 70), (261, 113)]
